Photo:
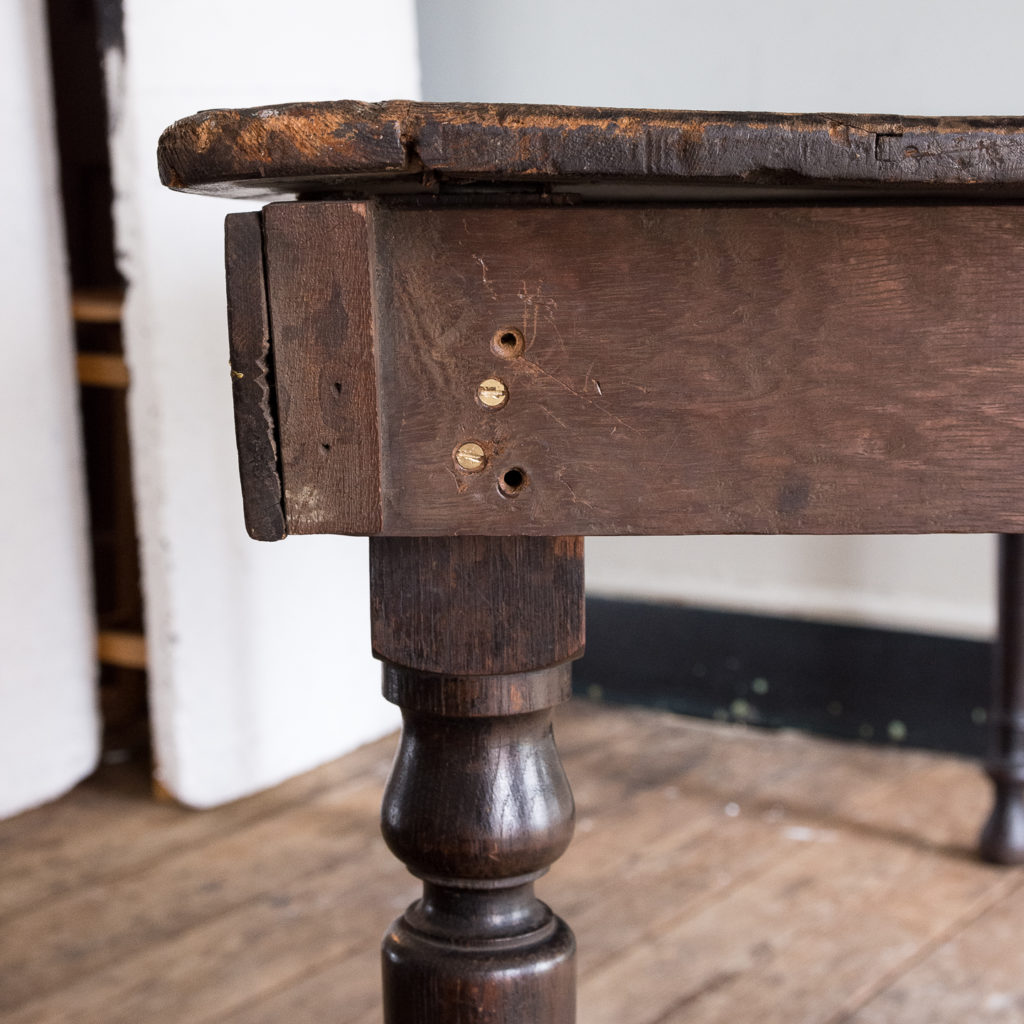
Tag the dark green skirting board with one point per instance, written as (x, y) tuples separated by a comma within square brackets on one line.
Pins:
[(852, 682)]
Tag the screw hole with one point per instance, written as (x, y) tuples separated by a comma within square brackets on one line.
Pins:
[(508, 343), (337, 387), (326, 447), (512, 481)]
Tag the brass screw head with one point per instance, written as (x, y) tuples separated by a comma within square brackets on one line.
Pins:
[(470, 457), (492, 393)]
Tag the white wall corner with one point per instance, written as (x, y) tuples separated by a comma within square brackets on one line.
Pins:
[(49, 725), (260, 661)]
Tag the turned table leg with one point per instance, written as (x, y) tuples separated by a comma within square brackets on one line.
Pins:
[(476, 635), (1002, 839)]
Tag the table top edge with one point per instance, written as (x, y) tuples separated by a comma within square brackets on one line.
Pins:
[(368, 148)]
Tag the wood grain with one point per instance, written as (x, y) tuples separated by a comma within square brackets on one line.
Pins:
[(252, 377), (476, 606), (973, 975), (285, 936), (727, 369), (863, 916), (119, 831), (153, 905), (318, 281), (478, 807), (476, 634), (368, 148)]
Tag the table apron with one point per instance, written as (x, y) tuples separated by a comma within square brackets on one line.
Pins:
[(581, 370)]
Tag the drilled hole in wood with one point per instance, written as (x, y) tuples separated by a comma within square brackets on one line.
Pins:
[(508, 343), (512, 481)]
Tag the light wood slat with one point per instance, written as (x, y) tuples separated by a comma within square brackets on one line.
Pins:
[(104, 830), (121, 648), (102, 370), (177, 894), (97, 305), (833, 913), (974, 975), (202, 974)]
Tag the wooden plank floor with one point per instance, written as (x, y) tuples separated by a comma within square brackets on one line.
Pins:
[(718, 876)]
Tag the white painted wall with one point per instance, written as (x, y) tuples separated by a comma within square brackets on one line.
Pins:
[(911, 57), (260, 653), (49, 733)]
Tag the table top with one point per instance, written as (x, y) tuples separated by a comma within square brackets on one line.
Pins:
[(357, 149)]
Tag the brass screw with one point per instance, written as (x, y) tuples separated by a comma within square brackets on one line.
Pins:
[(492, 393), (470, 457)]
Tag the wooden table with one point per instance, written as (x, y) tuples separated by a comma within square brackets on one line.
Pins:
[(484, 332)]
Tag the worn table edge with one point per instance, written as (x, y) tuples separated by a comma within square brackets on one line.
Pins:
[(373, 147)]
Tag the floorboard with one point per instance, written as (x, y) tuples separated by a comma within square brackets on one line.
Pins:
[(719, 874)]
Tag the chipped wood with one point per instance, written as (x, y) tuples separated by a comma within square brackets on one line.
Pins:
[(318, 283), (373, 147), (251, 377)]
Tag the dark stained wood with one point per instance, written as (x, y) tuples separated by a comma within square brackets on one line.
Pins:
[(725, 369), (478, 808), (251, 377), (369, 148), (318, 282), (476, 606), (484, 357), (704, 370), (477, 804), (477, 696), (506, 766), (1002, 838)]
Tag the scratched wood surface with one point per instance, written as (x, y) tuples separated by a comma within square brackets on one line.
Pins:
[(719, 369), (366, 148), (318, 286), (772, 875), (518, 603)]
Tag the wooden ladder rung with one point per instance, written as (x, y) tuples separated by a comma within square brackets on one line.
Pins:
[(122, 648), (102, 370), (97, 305)]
